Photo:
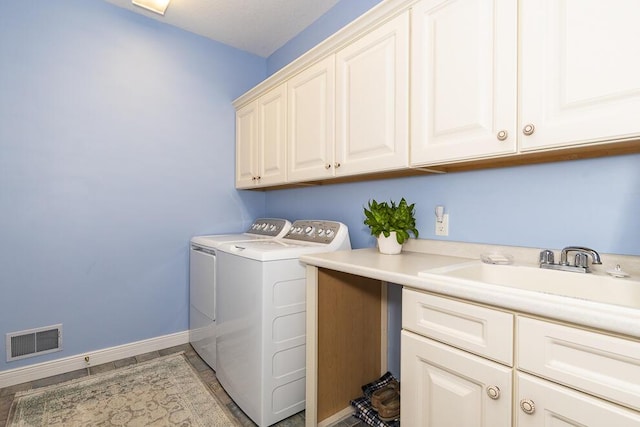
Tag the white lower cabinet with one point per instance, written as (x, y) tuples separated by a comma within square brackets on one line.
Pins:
[(543, 403), (564, 375), (443, 386), (602, 373)]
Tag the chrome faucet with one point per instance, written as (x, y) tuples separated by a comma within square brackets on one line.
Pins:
[(595, 256), (580, 263)]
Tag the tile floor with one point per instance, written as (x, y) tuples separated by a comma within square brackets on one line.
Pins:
[(207, 375)]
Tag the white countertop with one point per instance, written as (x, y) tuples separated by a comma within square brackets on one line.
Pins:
[(403, 269)]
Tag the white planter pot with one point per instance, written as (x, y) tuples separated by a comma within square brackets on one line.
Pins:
[(389, 245)]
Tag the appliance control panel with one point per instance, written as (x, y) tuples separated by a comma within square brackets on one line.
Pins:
[(315, 231), (273, 227)]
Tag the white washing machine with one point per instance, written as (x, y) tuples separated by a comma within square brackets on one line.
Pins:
[(261, 326), (202, 281)]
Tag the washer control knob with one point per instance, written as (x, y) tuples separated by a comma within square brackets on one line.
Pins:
[(308, 230)]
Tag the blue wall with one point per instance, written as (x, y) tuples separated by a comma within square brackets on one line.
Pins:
[(592, 202), (116, 146), (337, 17)]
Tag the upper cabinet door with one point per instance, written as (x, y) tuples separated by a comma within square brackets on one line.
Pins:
[(372, 101), (463, 84), (580, 71), (311, 129), (272, 136), (261, 140), (246, 146)]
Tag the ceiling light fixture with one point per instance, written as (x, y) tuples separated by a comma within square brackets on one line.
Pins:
[(157, 6)]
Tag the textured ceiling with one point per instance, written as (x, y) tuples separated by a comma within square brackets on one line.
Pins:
[(256, 26)]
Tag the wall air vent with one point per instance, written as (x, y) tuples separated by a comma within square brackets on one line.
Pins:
[(33, 342)]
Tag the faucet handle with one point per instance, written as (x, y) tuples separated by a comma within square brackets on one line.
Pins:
[(582, 260), (546, 257)]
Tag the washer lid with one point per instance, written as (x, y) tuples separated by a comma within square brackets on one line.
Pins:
[(310, 237), (260, 229)]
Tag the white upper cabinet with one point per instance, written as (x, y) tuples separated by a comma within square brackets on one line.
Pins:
[(311, 129), (348, 114), (463, 84), (372, 101), (579, 71), (261, 141), (457, 83)]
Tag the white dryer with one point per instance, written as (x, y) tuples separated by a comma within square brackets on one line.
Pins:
[(262, 324), (202, 281)]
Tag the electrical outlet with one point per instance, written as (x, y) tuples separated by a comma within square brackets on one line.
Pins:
[(442, 228)]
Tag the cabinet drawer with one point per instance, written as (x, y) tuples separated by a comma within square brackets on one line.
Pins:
[(599, 364), (480, 330)]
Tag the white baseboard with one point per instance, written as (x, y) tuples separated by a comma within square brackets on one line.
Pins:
[(72, 363)]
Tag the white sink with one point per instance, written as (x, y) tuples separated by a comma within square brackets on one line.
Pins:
[(589, 286)]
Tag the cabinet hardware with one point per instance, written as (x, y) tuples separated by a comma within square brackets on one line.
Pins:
[(337, 165), (528, 129), (527, 406), (327, 166), (493, 392), (502, 135)]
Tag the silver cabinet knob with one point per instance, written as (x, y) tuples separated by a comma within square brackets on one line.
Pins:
[(253, 178), (336, 165), (502, 135), (528, 129), (493, 392), (327, 166), (258, 178), (527, 406)]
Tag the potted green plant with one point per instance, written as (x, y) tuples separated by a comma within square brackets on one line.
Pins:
[(391, 224)]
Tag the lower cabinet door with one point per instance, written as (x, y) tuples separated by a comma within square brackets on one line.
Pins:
[(444, 387), (543, 403)]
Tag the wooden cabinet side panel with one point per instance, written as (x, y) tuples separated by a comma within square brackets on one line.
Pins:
[(349, 338)]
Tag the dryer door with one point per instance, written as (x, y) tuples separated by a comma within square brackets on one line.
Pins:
[(202, 309)]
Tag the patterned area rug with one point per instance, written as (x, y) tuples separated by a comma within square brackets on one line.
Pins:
[(161, 392)]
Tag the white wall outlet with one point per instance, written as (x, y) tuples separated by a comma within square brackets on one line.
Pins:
[(442, 228)]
